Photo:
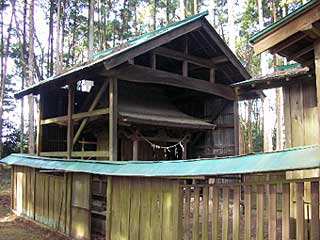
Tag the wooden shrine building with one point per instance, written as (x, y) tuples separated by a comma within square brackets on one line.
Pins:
[(164, 99), (164, 87)]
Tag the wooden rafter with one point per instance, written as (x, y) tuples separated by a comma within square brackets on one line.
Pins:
[(287, 42), (170, 53), (135, 73), (287, 29), (301, 53)]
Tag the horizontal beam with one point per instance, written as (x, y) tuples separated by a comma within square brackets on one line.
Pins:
[(170, 53), (76, 154), (286, 29), (288, 42), (140, 74), (76, 116)]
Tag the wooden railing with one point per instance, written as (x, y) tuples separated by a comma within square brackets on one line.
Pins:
[(260, 210)]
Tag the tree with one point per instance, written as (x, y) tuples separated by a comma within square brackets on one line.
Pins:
[(91, 29), (31, 77), (231, 26)]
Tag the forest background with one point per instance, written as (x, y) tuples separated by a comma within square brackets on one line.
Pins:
[(40, 39)]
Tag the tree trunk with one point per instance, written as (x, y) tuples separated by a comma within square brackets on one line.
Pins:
[(195, 6), (57, 59), (231, 25), (4, 60), (91, 29), (155, 4), (182, 9), (31, 77)]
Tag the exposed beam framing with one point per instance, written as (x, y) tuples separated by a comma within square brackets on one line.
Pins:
[(76, 154), (135, 73), (113, 62), (226, 50), (71, 91), (287, 42), (91, 108), (317, 72), (76, 116), (301, 53), (287, 29), (113, 119), (212, 75), (183, 56)]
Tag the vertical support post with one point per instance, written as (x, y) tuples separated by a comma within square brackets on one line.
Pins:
[(71, 90), (317, 73), (184, 153), (153, 60), (113, 119), (272, 223), (225, 213), (212, 75), (315, 211), (236, 125), (135, 150), (247, 214), (39, 126), (236, 214), (300, 211), (285, 211), (185, 63), (260, 212)]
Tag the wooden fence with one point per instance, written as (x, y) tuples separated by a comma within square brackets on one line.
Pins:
[(250, 211)]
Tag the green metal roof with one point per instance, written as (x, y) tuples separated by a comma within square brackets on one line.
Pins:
[(290, 159), (282, 20), (117, 50)]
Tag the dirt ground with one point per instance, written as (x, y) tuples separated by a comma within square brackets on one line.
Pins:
[(17, 228)]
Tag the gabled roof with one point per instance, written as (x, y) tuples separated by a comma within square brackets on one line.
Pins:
[(113, 57), (284, 160)]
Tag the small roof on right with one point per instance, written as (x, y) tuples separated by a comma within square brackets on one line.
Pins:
[(293, 36)]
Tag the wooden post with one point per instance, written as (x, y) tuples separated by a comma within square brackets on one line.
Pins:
[(315, 211), (247, 214), (185, 63), (225, 213), (236, 214), (317, 72), (39, 126), (113, 119), (236, 125), (184, 153), (153, 60), (285, 211), (212, 75), (71, 90), (135, 149), (300, 211), (272, 223)]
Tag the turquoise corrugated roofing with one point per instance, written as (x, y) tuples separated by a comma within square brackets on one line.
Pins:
[(290, 159)]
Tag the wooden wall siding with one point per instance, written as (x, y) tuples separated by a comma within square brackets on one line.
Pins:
[(143, 208), (301, 128), (301, 116), (41, 197), (215, 211), (81, 206), (220, 141)]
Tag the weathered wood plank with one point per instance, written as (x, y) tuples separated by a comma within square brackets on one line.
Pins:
[(76, 154), (145, 228), (317, 72), (260, 212), (76, 116), (236, 214), (195, 229), (225, 213), (247, 214), (272, 219), (109, 207), (155, 209), (113, 119), (186, 229), (285, 203), (205, 213), (300, 211), (215, 207), (315, 211), (125, 207)]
